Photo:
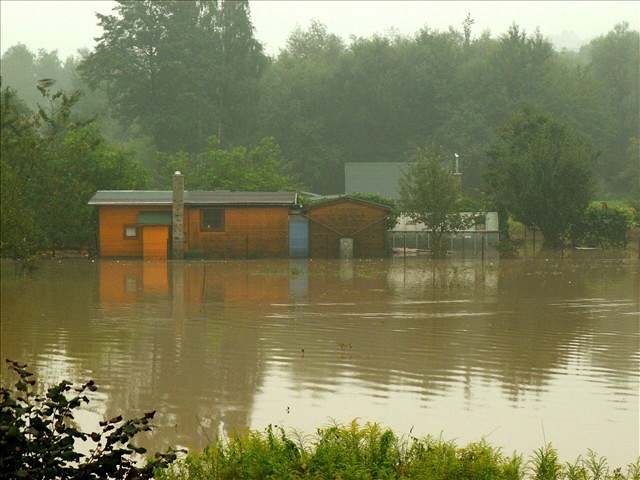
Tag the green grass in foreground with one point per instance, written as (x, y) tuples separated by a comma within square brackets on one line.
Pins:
[(371, 452)]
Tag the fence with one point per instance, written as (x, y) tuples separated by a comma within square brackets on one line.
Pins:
[(528, 239), (417, 243)]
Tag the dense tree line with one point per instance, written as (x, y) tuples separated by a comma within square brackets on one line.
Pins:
[(186, 85), (166, 76)]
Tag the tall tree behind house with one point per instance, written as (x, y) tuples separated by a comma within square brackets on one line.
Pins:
[(183, 71)]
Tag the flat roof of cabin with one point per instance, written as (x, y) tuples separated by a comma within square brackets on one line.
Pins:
[(215, 197)]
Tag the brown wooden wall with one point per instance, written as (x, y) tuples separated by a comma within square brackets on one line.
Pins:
[(249, 232), (346, 218), (111, 234)]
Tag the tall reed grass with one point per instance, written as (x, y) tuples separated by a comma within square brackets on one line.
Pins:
[(354, 452)]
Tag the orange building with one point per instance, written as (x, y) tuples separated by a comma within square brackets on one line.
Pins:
[(217, 224)]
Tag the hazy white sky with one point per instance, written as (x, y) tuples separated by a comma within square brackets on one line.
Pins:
[(69, 25)]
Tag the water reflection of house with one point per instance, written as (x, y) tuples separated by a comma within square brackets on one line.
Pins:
[(200, 282), (220, 282)]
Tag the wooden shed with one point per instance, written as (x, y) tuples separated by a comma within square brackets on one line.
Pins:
[(347, 218), (217, 224)]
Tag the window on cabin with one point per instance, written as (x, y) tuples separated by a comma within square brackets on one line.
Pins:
[(212, 219), (130, 231)]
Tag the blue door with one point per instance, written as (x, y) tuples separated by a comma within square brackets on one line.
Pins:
[(298, 236)]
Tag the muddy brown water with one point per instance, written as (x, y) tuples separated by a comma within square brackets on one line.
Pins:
[(518, 352)]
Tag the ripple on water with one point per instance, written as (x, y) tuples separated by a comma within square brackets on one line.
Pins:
[(505, 346)]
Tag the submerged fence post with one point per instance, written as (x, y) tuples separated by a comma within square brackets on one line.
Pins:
[(404, 241)]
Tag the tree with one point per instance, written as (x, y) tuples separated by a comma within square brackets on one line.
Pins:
[(51, 165), (614, 65), (299, 99), (21, 69), (78, 162), (19, 147), (18, 70), (540, 170), (240, 168), (182, 70), (431, 195)]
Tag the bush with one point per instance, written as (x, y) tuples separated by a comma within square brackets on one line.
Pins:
[(634, 208), (600, 226), (507, 248), (371, 452), (38, 436)]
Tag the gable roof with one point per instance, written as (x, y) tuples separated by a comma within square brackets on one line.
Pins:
[(345, 198), (382, 178), (216, 197)]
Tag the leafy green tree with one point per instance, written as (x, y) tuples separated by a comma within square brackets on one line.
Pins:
[(78, 162), (298, 103), (19, 174), (21, 69), (51, 166), (604, 227), (632, 171), (614, 66), (183, 70), (541, 172), (257, 168), (18, 71), (431, 195)]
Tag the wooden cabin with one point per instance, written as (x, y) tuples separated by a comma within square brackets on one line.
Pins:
[(346, 217), (225, 224), (217, 224)]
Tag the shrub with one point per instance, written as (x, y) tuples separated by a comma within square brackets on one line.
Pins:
[(371, 452), (600, 226), (38, 437), (634, 208), (507, 248)]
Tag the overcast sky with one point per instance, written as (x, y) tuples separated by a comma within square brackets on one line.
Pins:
[(69, 25)]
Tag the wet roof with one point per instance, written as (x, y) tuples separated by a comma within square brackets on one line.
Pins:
[(216, 197)]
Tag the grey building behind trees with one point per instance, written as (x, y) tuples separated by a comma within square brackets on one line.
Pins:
[(382, 178)]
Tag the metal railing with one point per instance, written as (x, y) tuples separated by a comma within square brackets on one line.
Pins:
[(420, 243)]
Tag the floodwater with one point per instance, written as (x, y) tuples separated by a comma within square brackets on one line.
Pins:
[(518, 352)]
